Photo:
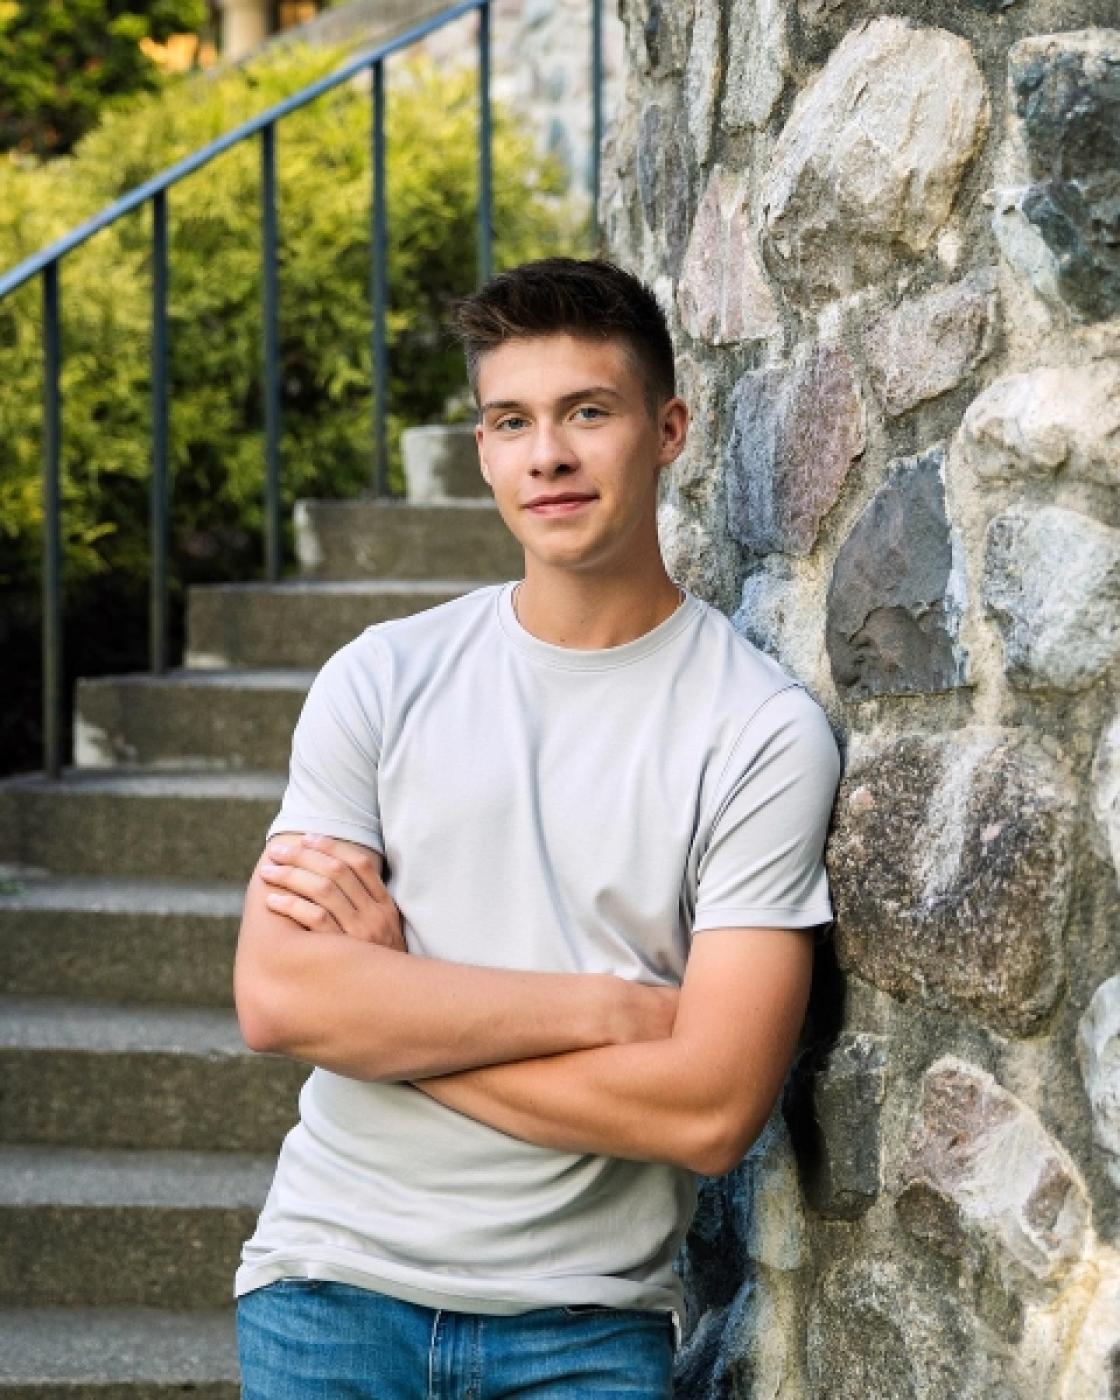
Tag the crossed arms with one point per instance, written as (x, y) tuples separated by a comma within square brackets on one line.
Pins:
[(581, 1062)]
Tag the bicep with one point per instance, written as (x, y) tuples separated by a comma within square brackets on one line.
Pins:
[(742, 1004), (265, 968), (336, 751), (763, 859)]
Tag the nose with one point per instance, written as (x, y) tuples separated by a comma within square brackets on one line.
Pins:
[(551, 448)]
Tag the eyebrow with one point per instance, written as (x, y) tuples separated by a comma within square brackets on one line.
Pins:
[(595, 391)]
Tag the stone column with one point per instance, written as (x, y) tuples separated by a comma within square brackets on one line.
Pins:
[(244, 27), (889, 250)]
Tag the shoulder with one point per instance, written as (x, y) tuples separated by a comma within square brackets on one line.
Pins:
[(763, 696), (777, 727), (386, 648)]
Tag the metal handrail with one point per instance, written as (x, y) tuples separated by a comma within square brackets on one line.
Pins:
[(46, 263)]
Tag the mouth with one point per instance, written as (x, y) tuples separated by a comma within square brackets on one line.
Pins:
[(563, 506)]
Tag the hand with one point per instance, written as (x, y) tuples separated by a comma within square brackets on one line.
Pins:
[(332, 886), (644, 1012)]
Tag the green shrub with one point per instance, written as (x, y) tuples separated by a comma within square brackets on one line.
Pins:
[(216, 431), (215, 315), (61, 66)]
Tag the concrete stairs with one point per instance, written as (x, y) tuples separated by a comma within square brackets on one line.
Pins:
[(138, 1134)]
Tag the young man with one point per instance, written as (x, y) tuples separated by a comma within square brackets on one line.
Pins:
[(539, 908)]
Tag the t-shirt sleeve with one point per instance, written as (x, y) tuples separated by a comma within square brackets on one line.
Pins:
[(763, 864), (336, 748)]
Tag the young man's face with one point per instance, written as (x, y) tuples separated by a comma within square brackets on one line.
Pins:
[(564, 416)]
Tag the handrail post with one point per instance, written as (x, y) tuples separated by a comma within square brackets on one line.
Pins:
[(271, 327), (485, 148), (595, 173), (52, 526), (379, 282), (158, 502)]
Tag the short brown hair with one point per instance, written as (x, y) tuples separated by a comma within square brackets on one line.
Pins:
[(575, 296)]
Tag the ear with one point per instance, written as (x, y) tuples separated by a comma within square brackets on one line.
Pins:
[(674, 430)]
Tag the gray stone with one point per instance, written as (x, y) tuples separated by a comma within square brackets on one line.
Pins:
[(869, 163), (1059, 419), (795, 431), (754, 1213), (777, 615), (678, 197), (926, 346), (697, 554), (878, 1329), (723, 294), (951, 874), (982, 1181), (661, 27), (650, 155), (847, 1100), (773, 1219), (1094, 1357), (1060, 626), (662, 178), (1023, 247), (1098, 1053), (1065, 94), (702, 76), (894, 601), (757, 63), (697, 468), (814, 14), (1105, 799)]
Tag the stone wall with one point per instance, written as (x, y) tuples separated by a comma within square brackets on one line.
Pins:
[(541, 55), (890, 247)]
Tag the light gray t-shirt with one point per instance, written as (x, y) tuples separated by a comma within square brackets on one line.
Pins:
[(539, 807)]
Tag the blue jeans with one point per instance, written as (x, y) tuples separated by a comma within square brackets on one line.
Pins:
[(311, 1339)]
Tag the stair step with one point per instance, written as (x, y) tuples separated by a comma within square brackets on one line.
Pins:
[(440, 462), (117, 1354), (208, 826), (200, 719), (300, 623), (119, 940), (125, 1228), (77, 1074), (398, 539)]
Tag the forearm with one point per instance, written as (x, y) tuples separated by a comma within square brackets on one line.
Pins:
[(697, 1097), (642, 1101), (374, 1013)]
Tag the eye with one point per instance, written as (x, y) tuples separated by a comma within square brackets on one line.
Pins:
[(512, 423), (588, 408)]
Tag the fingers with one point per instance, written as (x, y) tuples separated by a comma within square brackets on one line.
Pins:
[(333, 875), (310, 916), (364, 863), (314, 874)]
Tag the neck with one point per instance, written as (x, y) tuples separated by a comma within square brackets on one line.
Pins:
[(589, 614)]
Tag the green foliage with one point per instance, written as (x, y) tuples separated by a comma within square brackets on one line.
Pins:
[(61, 64), (215, 294)]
